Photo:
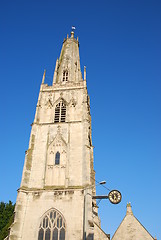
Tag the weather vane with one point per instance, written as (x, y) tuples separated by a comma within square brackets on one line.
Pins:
[(73, 28)]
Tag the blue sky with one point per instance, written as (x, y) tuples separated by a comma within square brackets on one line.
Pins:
[(120, 43)]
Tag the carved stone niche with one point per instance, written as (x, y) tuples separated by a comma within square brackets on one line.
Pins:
[(49, 103), (56, 171), (73, 103)]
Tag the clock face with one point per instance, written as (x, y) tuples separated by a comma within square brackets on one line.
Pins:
[(114, 196)]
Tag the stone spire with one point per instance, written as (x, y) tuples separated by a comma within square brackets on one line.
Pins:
[(57, 183), (67, 67), (128, 209)]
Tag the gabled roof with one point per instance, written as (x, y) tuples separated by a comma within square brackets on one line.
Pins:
[(131, 229)]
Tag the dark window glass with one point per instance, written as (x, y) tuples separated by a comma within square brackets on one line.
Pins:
[(57, 158), (46, 222), (47, 234), (60, 221), (58, 225), (62, 234), (55, 234), (41, 234), (90, 237)]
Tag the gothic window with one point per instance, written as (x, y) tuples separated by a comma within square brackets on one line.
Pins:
[(52, 226), (57, 158), (60, 112), (65, 75)]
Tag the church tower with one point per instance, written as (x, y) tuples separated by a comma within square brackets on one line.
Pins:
[(54, 200)]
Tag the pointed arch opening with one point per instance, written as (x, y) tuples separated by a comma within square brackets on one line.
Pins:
[(52, 226), (60, 112), (57, 158), (65, 75)]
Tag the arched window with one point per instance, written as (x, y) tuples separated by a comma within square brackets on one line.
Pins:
[(65, 75), (57, 158), (52, 226), (60, 112)]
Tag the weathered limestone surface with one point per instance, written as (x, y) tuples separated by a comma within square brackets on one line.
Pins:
[(31, 207), (68, 185), (131, 229)]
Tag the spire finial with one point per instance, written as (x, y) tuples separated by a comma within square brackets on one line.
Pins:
[(129, 210), (43, 78)]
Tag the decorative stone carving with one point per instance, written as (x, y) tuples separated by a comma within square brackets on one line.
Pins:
[(60, 99), (73, 102), (55, 173), (50, 166), (49, 103)]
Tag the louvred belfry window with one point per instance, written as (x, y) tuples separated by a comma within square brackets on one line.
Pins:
[(60, 112), (65, 75), (52, 226)]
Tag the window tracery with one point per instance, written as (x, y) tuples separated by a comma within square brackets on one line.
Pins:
[(65, 75), (60, 112), (52, 226)]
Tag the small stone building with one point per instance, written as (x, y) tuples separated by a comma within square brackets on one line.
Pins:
[(131, 229)]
